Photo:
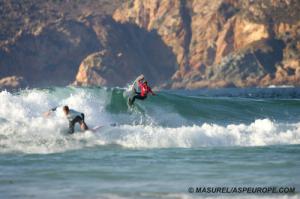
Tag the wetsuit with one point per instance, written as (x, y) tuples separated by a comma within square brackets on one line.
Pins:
[(145, 89), (74, 117)]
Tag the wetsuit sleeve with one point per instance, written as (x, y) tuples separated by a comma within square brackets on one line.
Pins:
[(46, 114), (53, 109), (150, 90)]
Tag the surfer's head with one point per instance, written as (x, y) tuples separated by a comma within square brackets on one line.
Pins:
[(66, 110)]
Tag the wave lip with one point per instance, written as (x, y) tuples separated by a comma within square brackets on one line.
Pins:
[(157, 123)]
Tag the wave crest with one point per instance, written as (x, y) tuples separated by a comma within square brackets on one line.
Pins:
[(153, 125)]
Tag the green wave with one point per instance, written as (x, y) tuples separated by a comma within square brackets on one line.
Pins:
[(219, 106)]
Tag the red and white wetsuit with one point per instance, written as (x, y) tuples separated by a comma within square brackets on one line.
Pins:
[(145, 89)]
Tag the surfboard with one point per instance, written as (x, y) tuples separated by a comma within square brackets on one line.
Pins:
[(130, 97), (96, 128)]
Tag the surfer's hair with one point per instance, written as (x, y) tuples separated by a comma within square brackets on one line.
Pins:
[(66, 108)]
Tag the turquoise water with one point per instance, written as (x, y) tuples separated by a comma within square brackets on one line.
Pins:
[(158, 149)]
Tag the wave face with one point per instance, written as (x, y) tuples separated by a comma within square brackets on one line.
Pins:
[(171, 119)]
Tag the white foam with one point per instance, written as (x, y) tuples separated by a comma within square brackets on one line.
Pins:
[(259, 133), (24, 129), (281, 86)]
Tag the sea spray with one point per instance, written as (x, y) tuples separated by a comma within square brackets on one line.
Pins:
[(159, 148), (158, 122)]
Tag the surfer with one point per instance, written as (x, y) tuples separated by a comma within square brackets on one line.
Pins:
[(73, 118), (144, 90)]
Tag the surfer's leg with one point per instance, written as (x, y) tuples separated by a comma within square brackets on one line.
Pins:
[(72, 123), (138, 96), (71, 127), (133, 99)]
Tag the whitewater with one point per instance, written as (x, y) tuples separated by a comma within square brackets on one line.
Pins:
[(159, 147)]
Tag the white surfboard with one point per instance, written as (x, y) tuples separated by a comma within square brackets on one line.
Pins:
[(96, 128), (130, 93)]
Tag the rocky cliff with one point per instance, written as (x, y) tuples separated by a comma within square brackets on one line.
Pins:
[(44, 42), (224, 42), (175, 43)]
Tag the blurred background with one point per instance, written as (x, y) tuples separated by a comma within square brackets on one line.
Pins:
[(177, 44)]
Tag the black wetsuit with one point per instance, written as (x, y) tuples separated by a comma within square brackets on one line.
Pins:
[(74, 117), (77, 119), (138, 96)]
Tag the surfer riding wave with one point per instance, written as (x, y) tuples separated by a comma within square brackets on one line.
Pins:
[(144, 90)]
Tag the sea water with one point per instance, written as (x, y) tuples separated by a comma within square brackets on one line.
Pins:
[(160, 148)]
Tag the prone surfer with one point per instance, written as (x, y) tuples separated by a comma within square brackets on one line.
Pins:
[(73, 118), (144, 90)]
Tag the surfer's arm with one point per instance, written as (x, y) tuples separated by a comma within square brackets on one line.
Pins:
[(150, 90), (48, 113), (53, 109)]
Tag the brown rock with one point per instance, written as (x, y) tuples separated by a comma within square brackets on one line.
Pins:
[(128, 52), (50, 57), (176, 43), (165, 17), (246, 32), (12, 82), (86, 74), (204, 34)]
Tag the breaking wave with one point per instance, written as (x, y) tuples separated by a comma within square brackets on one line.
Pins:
[(166, 121)]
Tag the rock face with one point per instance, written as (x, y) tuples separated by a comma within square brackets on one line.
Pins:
[(41, 43), (49, 56), (12, 82), (49, 51), (222, 42), (126, 52), (169, 18), (175, 43)]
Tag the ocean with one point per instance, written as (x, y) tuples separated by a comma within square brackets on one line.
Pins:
[(172, 145)]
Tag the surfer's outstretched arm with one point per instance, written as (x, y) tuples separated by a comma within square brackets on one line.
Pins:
[(150, 91), (48, 113)]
